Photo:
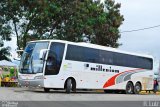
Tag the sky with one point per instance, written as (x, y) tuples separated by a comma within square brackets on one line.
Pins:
[(137, 14), (140, 14)]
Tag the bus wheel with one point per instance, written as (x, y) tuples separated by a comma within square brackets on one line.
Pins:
[(137, 88), (69, 86), (46, 89), (129, 88)]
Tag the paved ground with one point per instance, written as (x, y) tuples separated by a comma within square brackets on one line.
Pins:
[(26, 94)]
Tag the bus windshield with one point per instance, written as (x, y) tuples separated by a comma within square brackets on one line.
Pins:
[(30, 62)]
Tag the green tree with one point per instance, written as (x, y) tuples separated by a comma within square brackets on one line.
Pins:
[(72, 20), (4, 53), (106, 31), (92, 20), (5, 35), (29, 19)]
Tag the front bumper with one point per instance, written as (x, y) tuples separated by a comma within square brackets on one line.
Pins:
[(31, 83)]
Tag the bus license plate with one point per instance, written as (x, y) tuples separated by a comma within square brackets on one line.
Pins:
[(27, 83)]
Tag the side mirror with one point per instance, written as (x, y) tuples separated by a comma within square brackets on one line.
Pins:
[(42, 54)]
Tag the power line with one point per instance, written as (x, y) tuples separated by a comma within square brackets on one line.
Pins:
[(135, 30)]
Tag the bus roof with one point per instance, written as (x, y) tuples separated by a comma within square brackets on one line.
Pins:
[(95, 46)]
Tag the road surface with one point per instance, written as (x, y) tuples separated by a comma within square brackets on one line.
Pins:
[(26, 94)]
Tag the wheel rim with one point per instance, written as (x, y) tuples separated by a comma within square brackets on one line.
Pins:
[(69, 86), (137, 88), (70, 83), (129, 88)]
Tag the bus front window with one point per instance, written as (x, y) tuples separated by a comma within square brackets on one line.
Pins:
[(30, 62)]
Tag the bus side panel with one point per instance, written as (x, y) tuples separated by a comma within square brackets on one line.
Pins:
[(145, 78), (54, 81), (96, 79), (87, 78)]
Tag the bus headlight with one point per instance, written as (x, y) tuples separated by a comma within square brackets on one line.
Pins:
[(39, 77)]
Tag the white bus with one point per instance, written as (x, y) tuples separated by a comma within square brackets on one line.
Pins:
[(57, 64)]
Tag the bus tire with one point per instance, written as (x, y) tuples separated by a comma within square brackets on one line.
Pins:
[(46, 89), (129, 88), (137, 88), (69, 86), (73, 85)]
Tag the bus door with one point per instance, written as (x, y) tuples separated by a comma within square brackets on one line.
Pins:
[(54, 61)]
